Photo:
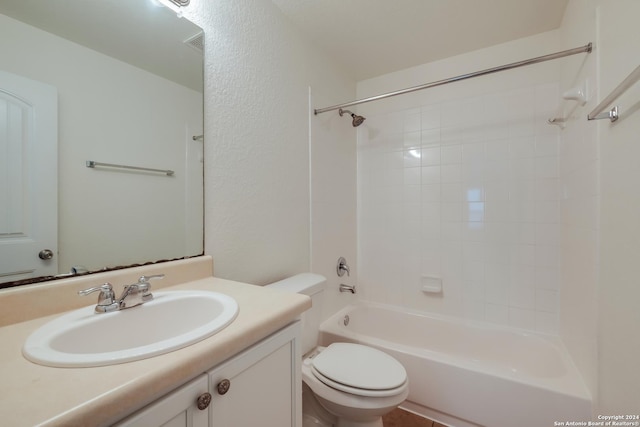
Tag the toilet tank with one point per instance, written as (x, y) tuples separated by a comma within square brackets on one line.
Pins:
[(312, 285)]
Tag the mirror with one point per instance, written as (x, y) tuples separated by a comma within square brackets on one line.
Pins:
[(120, 83)]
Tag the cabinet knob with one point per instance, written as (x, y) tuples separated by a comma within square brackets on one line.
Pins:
[(203, 401), (223, 386)]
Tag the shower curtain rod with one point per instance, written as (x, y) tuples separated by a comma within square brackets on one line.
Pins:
[(583, 49)]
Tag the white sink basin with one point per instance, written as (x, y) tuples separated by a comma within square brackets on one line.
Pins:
[(172, 320)]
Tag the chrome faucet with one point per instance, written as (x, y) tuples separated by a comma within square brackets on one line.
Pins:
[(342, 267), (132, 295)]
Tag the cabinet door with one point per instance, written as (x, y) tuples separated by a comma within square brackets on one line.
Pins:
[(264, 385), (177, 409)]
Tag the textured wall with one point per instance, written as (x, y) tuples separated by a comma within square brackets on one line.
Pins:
[(259, 72)]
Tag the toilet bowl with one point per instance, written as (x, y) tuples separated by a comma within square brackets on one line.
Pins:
[(356, 383), (345, 384)]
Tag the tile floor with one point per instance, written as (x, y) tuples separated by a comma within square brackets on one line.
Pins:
[(401, 418)]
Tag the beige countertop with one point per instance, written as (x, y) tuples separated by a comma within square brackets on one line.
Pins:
[(31, 394)]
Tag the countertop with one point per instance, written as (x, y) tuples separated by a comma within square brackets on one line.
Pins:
[(31, 394)]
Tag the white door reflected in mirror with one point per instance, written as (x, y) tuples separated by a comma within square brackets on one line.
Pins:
[(28, 178)]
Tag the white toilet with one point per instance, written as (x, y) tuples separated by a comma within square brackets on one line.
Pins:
[(344, 385)]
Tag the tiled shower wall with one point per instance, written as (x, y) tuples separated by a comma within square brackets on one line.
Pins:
[(465, 190)]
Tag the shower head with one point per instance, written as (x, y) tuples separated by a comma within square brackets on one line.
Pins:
[(357, 120)]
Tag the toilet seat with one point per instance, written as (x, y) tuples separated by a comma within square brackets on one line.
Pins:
[(359, 370)]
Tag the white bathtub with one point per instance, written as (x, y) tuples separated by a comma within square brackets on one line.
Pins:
[(465, 373)]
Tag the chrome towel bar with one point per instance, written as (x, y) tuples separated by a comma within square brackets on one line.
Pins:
[(93, 164)]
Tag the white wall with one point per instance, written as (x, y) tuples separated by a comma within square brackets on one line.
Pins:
[(600, 243), (619, 234), (460, 182), (333, 195), (112, 112), (580, 199), (270, 211)]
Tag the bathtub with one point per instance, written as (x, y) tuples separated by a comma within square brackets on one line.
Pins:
[(465, 373)]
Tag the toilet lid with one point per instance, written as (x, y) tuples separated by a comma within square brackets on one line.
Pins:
[(360, 367)]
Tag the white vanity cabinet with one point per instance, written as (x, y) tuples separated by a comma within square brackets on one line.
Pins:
[(261, 386), (177, 409)]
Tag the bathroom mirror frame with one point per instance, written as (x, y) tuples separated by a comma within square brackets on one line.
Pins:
[(191, 223)]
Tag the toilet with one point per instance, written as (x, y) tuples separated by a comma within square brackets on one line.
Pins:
[(344, 384)]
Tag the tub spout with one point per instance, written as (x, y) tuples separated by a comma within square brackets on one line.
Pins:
[(347, 288)]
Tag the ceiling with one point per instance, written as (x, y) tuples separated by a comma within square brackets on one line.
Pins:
[(134, 31), (375, 37)]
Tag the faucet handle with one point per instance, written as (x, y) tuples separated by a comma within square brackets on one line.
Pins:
[(145, 279), (143, 284), (138, 293), (105, 288), (106, 299)]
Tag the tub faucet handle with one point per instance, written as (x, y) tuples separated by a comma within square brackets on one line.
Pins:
[(342, 267)]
